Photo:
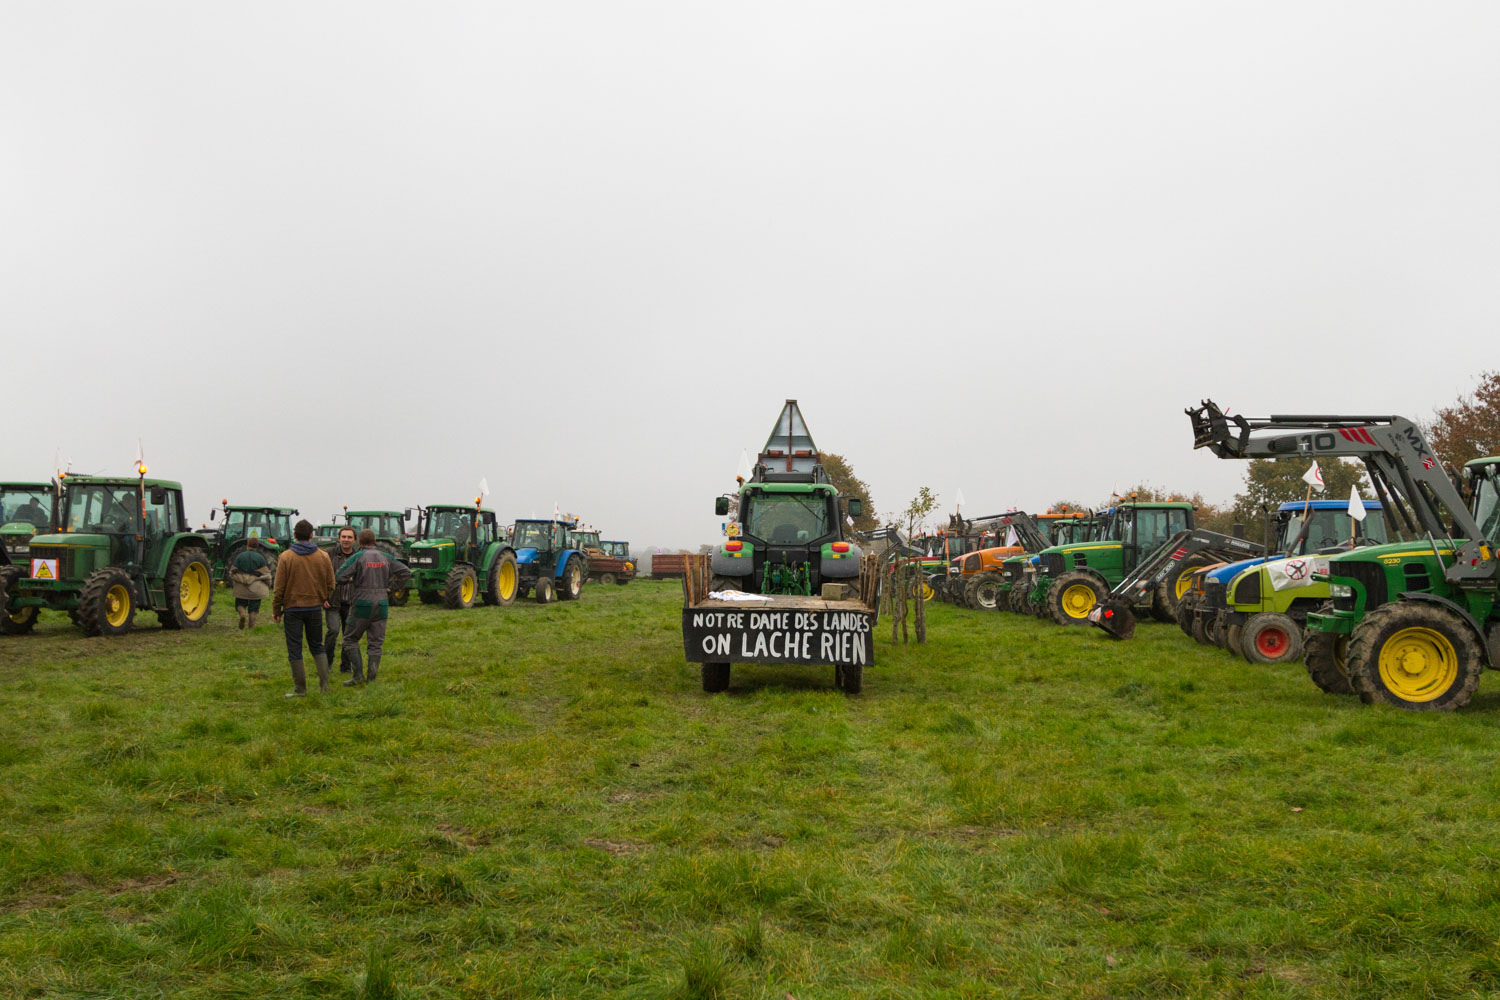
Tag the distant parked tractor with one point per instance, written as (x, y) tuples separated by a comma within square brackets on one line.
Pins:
[(460, 555), (124, 545), (550, 567), (25, 510), (240, 523), (609, 562)]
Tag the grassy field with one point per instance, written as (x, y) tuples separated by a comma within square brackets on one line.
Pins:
[(539, 802)]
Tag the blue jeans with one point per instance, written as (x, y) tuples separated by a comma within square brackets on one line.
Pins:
[(296, 621)]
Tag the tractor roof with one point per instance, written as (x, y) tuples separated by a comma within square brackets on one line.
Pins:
[(119, 481), (1296, 505), (1491, 460), (465, 507), (30, 487), (790, 487), (376, 513), (251, 506)]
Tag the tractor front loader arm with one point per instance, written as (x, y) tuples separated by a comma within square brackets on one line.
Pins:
[(1402, 468), (1115, 614)]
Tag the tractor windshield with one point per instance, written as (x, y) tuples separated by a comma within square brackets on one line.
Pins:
[(384, 525), (535, 534), (29, 506), (586, 539), (455, 524), (1332, 527), (1486, 505), (257, 524), (103, 508), (787, 518), (620, 550)]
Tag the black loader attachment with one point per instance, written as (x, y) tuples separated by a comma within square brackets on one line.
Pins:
[(1115, 614)]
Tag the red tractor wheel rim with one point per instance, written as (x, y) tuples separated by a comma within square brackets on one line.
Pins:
[(1271, 642)]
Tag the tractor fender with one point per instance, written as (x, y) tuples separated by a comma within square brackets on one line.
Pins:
[(495, 551), (525, 556), (721, 564), (565, 557), (1464, 616), (176, 544)]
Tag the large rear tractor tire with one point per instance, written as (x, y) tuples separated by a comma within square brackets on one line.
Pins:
[(462, 587), (715, 677), (1186, 611), (1073, 595), (983, 592), (188, 589), (1170, 592), (570, 587), (1415, 655), (505, 581), (545, 593), (849, 678), (1326, 657), (106, 605), (1271, 637)]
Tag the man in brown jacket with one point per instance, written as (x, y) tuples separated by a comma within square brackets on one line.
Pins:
[(304, 581)]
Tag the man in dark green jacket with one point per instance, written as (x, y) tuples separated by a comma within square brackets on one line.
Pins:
[(371, 574), (250, 573)]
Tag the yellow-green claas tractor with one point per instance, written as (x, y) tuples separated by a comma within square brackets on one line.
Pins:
[(122, 545)]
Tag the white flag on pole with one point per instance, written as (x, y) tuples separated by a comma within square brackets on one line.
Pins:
[(484, 486), (1314, 476), (745, 469), (959, 500), (1356, 504)]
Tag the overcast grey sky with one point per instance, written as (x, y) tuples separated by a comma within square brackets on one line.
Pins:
[(368, 253)]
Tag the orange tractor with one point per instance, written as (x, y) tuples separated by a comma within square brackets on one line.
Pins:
[(976, 579)]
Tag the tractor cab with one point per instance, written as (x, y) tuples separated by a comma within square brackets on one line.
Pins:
[(616, 550), (586, 540), (242, 522), (788, 535), (26, 509), (1483, 483)]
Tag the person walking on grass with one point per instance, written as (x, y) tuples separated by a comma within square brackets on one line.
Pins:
[(304, 582), (250, 572), (372, 574), (336, 617)]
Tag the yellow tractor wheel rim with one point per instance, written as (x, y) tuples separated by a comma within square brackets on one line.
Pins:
[(1078, 600), (508, 578), (1418, 664), (926, 591), (195, 592), (467, 590), (21, 617), (117, 605), (1184, 583)]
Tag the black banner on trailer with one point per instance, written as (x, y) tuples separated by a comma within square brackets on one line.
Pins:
[(743, 635)]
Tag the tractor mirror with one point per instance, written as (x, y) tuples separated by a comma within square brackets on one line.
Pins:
[(213, 514), (856, 507), (158, 495), (721, 506), (406, 514)]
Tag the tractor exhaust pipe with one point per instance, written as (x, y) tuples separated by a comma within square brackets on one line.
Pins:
[(1115, 618)]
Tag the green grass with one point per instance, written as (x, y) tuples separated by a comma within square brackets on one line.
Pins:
[(539, 802)]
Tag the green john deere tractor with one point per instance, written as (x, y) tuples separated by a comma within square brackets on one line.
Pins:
[(390, 537), (1069, 580), (550, 567), (241, 522), (123, 545), (460, 556)]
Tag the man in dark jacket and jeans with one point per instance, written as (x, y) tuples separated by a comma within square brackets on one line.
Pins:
[(304, 581), (373, 574), (336, 617)]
